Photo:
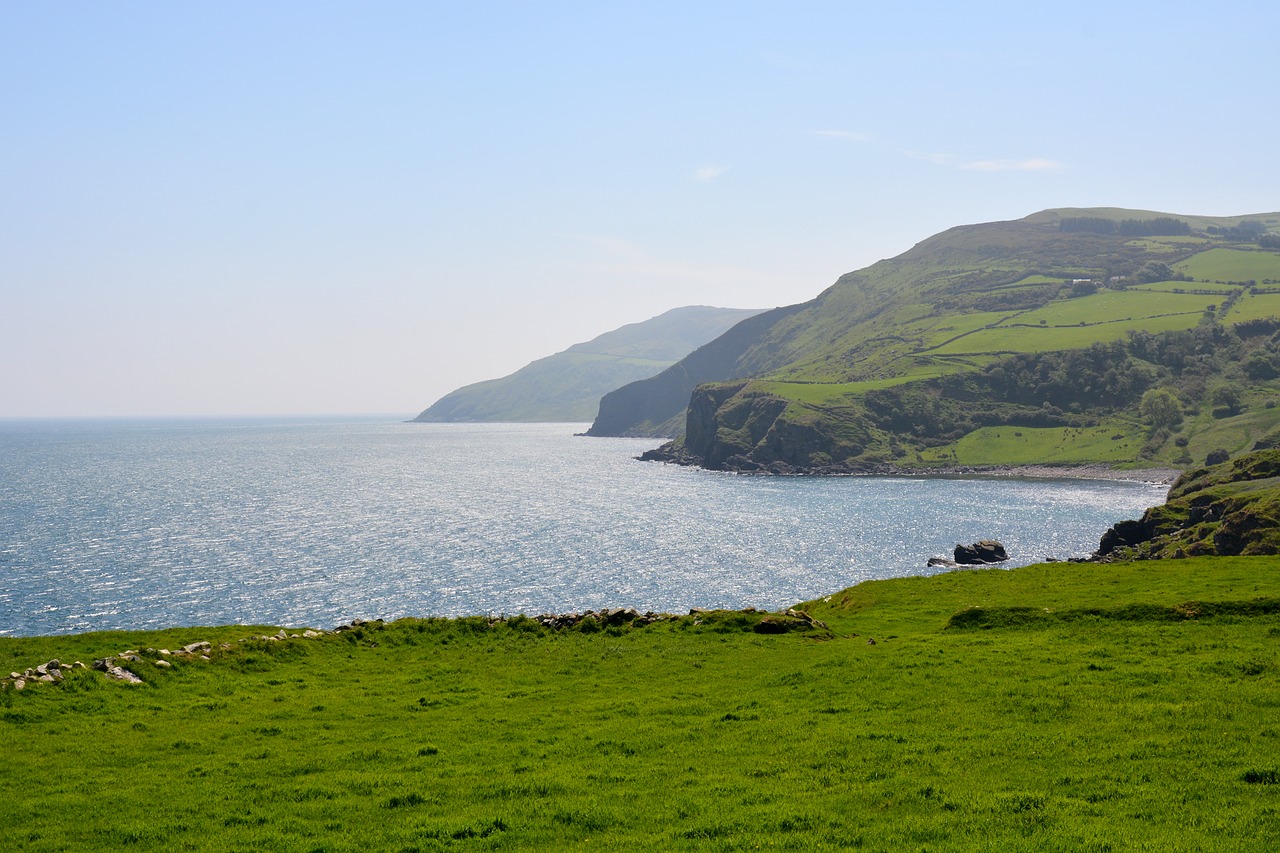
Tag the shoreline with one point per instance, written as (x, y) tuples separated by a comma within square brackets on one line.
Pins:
[(1153, 476), (1062, 471)]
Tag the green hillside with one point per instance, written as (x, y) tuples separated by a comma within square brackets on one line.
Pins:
[(1094, 707), (568, 386), (1062, 321)]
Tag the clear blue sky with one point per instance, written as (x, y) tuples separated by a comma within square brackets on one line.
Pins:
[(235, 208)]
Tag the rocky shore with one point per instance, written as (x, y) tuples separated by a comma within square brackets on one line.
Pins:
[(1093, 471)]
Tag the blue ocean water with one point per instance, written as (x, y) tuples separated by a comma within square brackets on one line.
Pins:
[(315, 521)]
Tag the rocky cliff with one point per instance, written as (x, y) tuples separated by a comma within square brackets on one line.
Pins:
[(1228, 509)]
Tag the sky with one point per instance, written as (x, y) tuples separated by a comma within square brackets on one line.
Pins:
[(241, 208)]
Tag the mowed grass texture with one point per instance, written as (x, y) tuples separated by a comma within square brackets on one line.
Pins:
[(1062, 707)]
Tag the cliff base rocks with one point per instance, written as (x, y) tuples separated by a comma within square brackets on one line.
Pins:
[(1228, 509)]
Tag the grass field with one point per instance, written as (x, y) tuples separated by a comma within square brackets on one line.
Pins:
[(1112, 305), (947, 328), (1048, 338), (1073, 709), (1251, 307), (1071, 323), (1232, 265), (1041, 446)]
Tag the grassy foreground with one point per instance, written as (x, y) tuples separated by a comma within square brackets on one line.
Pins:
[(1064, 707)]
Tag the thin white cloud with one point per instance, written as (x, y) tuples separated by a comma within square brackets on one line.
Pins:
[(709, 173), (846, 135), (1035, 164), (1032, 164)]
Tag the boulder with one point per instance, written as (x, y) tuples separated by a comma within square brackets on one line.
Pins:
[(119, 673), (982, 552)]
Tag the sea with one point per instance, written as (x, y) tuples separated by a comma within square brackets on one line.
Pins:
[(131, 524)]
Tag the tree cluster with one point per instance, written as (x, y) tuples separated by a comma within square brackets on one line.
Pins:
[(1161, 226), (1246, 232), (1159, 376)]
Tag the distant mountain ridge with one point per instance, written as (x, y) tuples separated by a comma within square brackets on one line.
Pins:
[(567, 386), (1029, 341)]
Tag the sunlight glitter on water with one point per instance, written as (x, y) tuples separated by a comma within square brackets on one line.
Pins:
[(129, 524)]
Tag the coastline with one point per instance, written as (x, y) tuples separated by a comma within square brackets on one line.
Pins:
[(1088, 471), (1082, 471)]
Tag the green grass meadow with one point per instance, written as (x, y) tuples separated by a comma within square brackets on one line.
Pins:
[(1255, 307), (1061, 707), (1074, 323), (1232, 265), (1006, 445)]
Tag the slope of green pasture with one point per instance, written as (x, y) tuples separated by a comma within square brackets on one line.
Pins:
[(957, 325), (926, 604), (1073, 323), (1092, 722), (1007, 445), (1232, 265), (1254, 307), (839, 393), (1235, 434), (1034, 279), (1112, 305), (1023, 338)]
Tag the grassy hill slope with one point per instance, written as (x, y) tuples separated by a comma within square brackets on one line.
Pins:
[(898, 364), (1061, 707), (568, 386)]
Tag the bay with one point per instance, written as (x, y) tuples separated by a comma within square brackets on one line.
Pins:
[(128, 524)]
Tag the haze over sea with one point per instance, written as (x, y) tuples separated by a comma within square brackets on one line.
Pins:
[(128, 524)]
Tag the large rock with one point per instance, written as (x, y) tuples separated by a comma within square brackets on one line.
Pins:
[(980, 553), (122, 674)]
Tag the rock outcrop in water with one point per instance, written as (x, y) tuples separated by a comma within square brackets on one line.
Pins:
[(980, 553), (984, 552)]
